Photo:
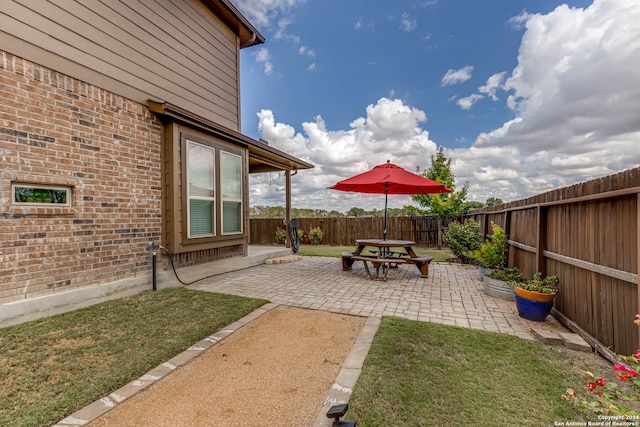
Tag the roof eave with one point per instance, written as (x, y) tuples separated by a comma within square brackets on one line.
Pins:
[(268, 157), (247, 33)]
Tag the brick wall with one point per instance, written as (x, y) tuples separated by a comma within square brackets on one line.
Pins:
[(60, 131)]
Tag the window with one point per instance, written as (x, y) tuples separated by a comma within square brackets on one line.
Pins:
[(28, 194), (201, 190), (231, 177)]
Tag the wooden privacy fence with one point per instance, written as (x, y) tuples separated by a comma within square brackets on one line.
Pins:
[(587, 235), (344, 231)]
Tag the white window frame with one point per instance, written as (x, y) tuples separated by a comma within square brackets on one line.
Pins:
[(224, 199), (190, 197)]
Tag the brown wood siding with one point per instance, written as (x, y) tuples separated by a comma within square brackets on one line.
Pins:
[(175, 198), (170, 50)]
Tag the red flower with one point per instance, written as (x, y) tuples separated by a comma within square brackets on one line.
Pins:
[(600, 382), (626, 371), (591, 386)]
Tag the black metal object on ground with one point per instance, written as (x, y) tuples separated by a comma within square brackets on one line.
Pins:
[(337, 411)]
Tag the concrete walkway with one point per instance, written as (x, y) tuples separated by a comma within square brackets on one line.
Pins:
[(451, 295)]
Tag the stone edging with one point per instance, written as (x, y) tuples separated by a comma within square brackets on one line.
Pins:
[(100, 407)]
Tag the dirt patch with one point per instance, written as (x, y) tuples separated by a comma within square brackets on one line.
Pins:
[(276, 370)]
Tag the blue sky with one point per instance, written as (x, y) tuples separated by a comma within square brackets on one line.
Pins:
[(525, 96)]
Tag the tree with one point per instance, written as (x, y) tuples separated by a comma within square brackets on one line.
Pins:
[(494, 201), (443, 204), (356, 212), (471, 205)]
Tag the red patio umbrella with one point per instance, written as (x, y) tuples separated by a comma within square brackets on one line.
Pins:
[(389, 179)]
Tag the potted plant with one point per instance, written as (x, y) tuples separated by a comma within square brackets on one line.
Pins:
[(497, 283), (534, 297), (492, 255)]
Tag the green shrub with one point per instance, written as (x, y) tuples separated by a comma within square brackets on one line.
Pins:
[(493, 253), (281, 236), (462, 239), (509, 275), (315, 236)]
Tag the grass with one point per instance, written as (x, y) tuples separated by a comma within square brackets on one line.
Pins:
[(51, 367), (426, 374), (439, 255)]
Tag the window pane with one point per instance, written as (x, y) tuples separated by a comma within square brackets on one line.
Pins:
[(200, 218), (56, 196), (201, 163), (231, 217), (231, 176)]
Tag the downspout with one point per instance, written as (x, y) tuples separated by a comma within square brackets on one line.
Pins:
[(249, 42)]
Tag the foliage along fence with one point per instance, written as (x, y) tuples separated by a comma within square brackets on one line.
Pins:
[(587, 235), (345, 231)]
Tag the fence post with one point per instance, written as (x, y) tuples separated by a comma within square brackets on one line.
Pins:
[(541, 239), (638, 252), (287, 209)]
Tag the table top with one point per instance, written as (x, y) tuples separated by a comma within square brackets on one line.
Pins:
[(385, 243)]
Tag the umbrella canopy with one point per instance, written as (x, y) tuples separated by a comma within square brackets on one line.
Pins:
[(389, 179)]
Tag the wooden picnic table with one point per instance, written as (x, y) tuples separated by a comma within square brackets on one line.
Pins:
[(385, 256)]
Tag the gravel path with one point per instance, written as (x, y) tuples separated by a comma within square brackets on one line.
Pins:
[(276, 370)]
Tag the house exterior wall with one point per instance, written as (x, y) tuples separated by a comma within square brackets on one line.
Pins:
[(173, 51), (175, 199), (60, 131), (81, 83)]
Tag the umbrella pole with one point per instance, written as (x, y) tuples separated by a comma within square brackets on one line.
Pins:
[(384, 226)]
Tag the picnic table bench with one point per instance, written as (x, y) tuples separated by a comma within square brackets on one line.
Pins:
[(386, 257), (377, 263)]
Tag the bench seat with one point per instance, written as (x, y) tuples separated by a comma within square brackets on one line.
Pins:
[(347, 262), (377, 263), (422, 262)]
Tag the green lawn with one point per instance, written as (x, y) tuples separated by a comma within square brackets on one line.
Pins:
[(50, 368), (439, 255), (426, 374)]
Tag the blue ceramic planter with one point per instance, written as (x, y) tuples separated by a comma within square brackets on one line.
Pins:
[(533, 310)]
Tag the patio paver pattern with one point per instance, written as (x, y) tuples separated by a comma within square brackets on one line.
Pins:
[(451, 295)]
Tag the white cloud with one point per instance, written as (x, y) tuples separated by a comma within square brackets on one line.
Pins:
[(576, 95), (453, 77), (468, 101), (269, 14), (493, 83), (520, 20), (263, 12), (407, 24), (262, 56), (304, 50), (489, 89), (281, 33), (577, 82), (390, 130)]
